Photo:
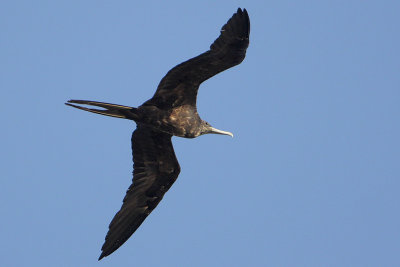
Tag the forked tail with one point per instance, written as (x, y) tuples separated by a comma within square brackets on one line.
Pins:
[(111, 110)]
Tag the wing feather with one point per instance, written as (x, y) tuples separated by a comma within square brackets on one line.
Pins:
[(155, 170), (180, 85)]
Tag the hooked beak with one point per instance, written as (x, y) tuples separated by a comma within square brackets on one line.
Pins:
[(216, 131)]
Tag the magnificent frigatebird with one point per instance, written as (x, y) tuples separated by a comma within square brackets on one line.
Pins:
[(170, 112)]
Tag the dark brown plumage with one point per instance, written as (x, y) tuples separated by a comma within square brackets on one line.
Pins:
[(171, 111)]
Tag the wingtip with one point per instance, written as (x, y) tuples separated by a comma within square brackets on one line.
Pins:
[(244, 12), (247, 19), (101, 256), (241, 10)]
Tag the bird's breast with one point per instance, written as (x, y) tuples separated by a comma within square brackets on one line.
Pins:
[(182, 121), (185, 121)]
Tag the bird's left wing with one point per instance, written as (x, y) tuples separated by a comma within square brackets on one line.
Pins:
[(155, 170)]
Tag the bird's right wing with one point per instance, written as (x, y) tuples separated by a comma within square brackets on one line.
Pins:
[(180, 85), (155, 170)]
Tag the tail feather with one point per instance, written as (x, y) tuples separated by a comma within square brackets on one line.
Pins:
[(112, 110)]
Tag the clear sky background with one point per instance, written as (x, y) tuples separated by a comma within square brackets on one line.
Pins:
[(311, 178)]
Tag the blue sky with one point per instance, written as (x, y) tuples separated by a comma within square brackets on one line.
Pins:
[(311, 177)]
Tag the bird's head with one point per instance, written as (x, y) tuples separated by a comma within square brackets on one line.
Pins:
[(206, 128)]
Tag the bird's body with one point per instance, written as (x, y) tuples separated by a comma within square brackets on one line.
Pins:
[(170, 112), (182, 121)]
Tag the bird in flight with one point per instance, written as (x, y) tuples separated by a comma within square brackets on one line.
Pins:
[(170, 112)]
